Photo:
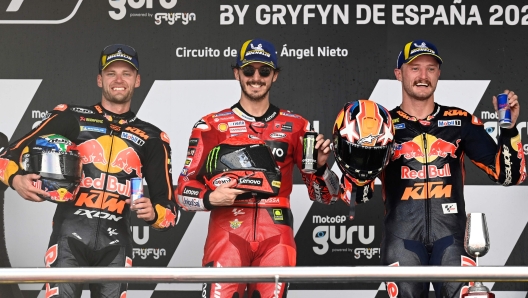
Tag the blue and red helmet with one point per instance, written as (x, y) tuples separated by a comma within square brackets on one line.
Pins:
[(57, 161)]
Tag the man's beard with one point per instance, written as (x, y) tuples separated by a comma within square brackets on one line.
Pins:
[(254, 97), (113, 99)]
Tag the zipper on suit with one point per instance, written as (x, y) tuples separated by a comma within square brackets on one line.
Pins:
[(426, 186)]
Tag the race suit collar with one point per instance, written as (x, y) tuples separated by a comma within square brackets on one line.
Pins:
[(406, 116), (113, 117), (269, 115)]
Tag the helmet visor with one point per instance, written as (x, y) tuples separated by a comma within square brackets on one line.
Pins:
[(255, 157), (367, 161), (56, 166)]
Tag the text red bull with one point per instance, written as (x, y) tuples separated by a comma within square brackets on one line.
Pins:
[(136, 188), (128, 160)]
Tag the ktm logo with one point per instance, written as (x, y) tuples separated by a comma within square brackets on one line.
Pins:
[(138, 132), (101, 200), (405, 116), (455, 113), (420, 191)]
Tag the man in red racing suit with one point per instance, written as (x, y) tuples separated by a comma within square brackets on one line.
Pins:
[(94, 228), (425, 214), (247, 231)]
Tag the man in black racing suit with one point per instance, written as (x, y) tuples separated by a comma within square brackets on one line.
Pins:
[(115, 146), (425, 212)]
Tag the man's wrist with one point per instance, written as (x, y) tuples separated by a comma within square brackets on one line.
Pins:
[(206, 200), (320, 170)]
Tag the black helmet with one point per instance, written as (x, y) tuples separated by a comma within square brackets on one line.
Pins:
[(57, 161), (248, 161), (363, 135)]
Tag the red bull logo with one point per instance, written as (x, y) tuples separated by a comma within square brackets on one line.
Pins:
[(431, 170), (415, 149), (408, 150), (112, 184), (92, 151), (61, 195), (169, 219), (97, 152), (443, 148), (128, 160)]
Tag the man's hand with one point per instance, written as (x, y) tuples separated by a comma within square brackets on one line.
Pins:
[(514, 106), (23, 184), (143, 208), (225, 194), (323, 148)]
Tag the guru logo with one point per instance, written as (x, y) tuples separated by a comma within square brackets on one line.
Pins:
[(323, 234), (121, 6)]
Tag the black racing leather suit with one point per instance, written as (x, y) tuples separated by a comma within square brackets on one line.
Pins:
[(425, 214), (94, 229)]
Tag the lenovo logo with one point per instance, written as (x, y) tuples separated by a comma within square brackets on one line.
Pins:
[(250, 181)]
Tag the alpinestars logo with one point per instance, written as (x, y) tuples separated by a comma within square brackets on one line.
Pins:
[(507, 163)]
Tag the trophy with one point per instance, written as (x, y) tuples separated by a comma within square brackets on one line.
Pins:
[(476, 243)]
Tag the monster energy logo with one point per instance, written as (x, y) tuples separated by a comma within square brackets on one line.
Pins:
[(309, 144), (212, 158)]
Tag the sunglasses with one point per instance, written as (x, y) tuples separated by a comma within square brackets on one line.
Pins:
[(249, 71), (111, 49)]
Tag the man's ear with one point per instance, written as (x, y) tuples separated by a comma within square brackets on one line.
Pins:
[(398, 74)]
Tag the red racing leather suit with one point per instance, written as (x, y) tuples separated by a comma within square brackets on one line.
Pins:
[(94, 229), (425, 214), (251, 232)]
